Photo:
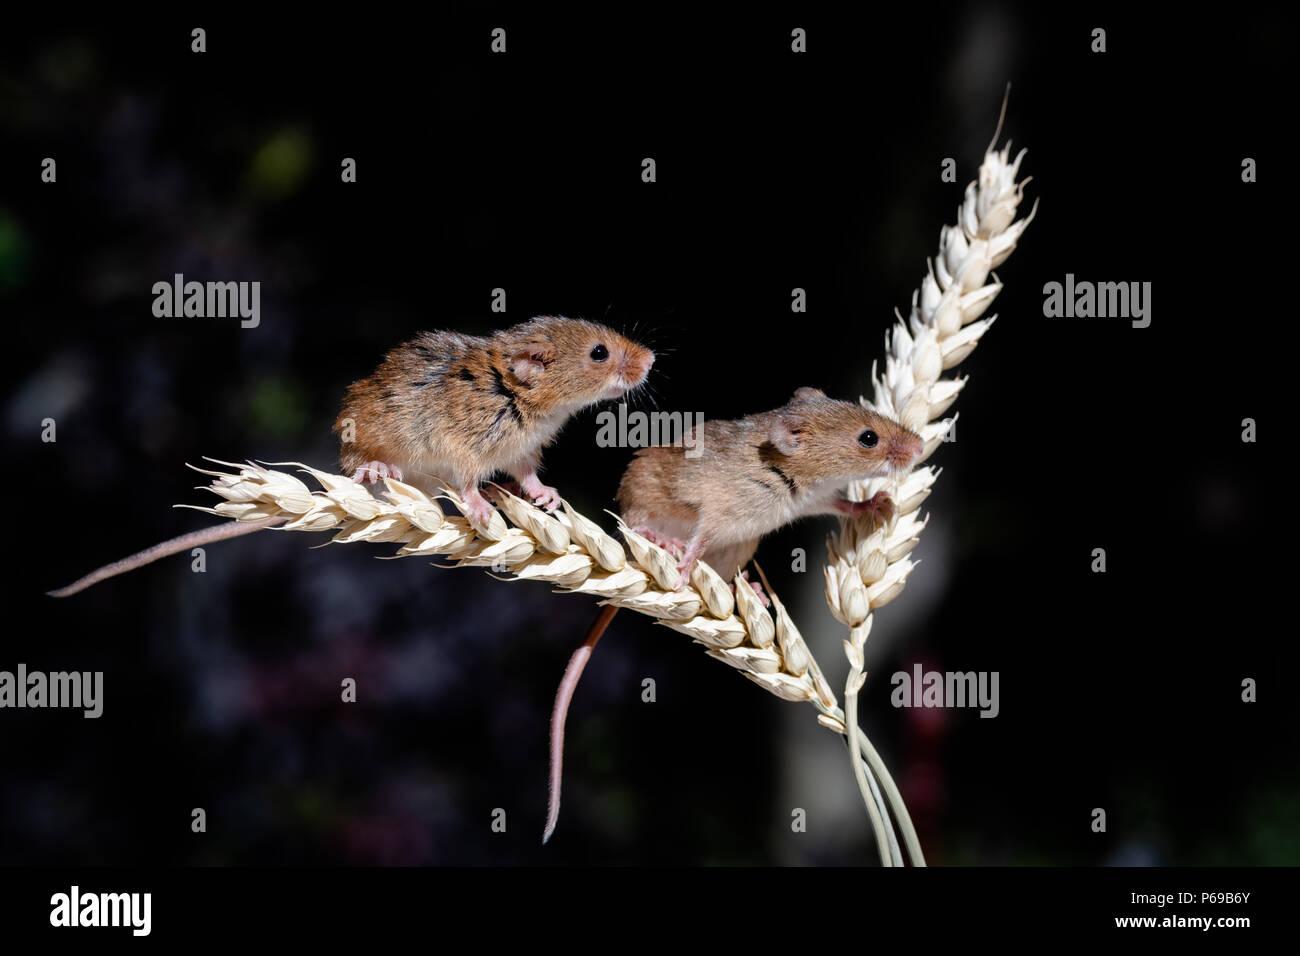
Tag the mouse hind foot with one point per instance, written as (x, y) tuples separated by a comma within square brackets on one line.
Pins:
[(373, 471), (674, 546), (758, 589)]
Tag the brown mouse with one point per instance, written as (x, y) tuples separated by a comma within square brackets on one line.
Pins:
[(754, 475), (460, 408), (760, 473)]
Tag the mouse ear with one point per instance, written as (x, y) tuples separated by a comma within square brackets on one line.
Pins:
[(808, 392), (529, 359), (786, 433)]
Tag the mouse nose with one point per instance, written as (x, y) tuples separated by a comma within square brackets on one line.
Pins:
[(634, 368), (905, 450)]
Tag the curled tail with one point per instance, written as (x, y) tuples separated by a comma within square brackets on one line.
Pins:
[(568, 684), (194, 539)]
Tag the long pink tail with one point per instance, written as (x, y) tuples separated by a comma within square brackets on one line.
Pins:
[(568, 684), (194, 539)]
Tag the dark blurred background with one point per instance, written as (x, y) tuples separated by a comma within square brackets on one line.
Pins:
[(522, 171)]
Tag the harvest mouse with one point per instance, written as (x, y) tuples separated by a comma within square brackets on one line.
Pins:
[(760, 473), (755, 475), (460, 408)]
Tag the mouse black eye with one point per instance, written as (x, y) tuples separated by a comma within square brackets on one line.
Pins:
[(599, 353), (868, 439)]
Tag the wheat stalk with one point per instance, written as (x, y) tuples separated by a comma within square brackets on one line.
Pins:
[(867, 561)]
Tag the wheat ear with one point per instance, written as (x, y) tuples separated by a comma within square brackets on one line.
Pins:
[(565, 549), (868, 562)]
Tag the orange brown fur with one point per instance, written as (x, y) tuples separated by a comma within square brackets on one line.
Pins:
[(461, 407), (758, 474)]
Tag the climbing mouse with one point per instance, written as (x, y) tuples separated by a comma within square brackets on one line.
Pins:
[(760, 473), (459, 408), (754, 475)]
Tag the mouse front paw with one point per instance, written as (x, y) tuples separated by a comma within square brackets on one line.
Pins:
[(477, 508), (880, 507), (543, 496), (373, 471)]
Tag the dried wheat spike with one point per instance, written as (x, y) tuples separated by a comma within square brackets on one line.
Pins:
[(565, 549)]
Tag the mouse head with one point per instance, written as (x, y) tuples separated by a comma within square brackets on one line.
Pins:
[(569, 363), (829, 440)]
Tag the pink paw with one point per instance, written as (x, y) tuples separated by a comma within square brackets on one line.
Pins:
[(880, 507), (477, 508), (684, 570), (540, 494), (758, 589), (674, 546), (373, 471), (545, 496)]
